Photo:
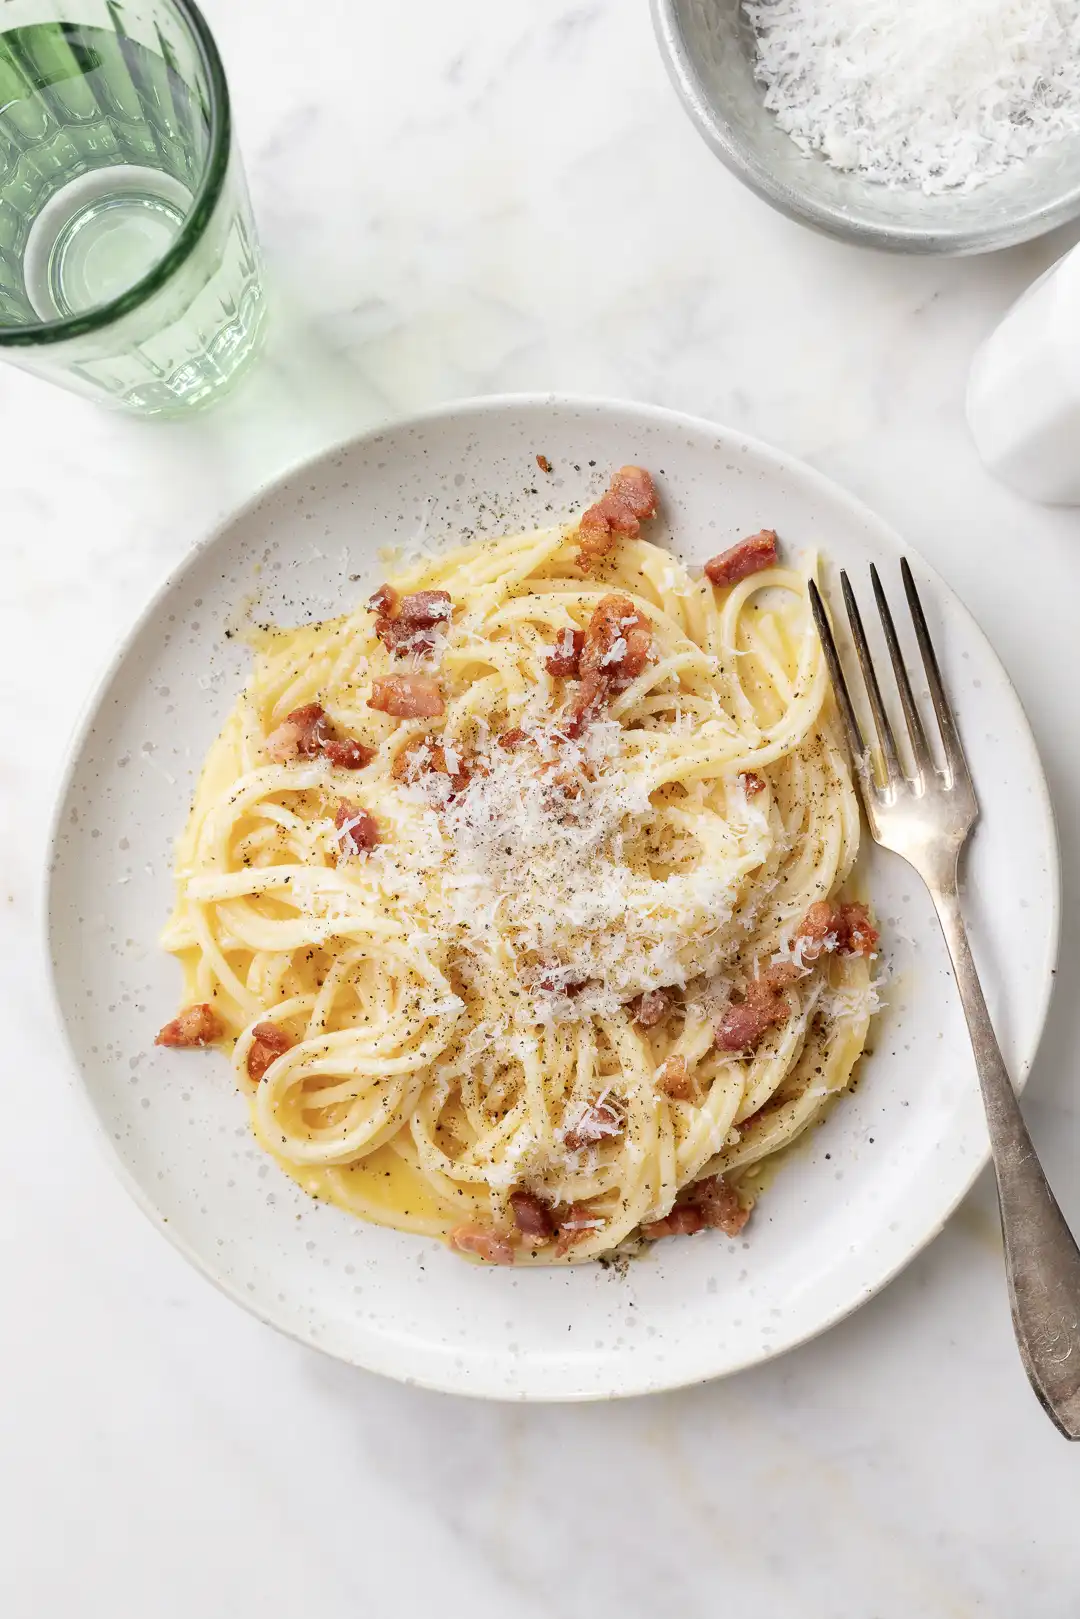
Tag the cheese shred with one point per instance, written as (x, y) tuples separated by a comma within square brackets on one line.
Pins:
[(931, 95)]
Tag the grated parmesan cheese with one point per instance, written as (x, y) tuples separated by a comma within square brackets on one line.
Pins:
[(534, 855), (933, 95), (842, 1002)]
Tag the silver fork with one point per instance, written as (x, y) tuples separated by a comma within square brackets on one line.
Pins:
[(926, 818)]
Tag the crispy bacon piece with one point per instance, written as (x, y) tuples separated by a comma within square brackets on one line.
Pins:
[(617, 646), (423, 608), (412, 761), (749, 556), (407, 623), (303, 734), (675, 1079), (720, 1205), (196, 1026), (513, 738), (451, 763), (404, 641), (407, 697), (266, 1047), (710, 1203), (588, 700), (752, 783), (348, 754), (426, 608), (423, 756), (543, 463), (492, 1246), (532, 1218), (586, 706), (576, 1224), (783, 973), (384, 602), (564, 659), (745, 1022), (599, 1122), (617, 642), (358, 832), (629, 499), (306, 733), (826, 926), (683, 1220), (820, 924), (858, 935), (653, 1007)]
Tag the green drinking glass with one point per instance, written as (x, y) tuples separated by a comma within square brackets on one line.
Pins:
[(129, 266)]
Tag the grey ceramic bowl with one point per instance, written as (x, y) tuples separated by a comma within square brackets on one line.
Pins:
[(708, 47)]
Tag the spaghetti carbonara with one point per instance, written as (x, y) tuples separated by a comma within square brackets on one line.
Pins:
[(520, 895)]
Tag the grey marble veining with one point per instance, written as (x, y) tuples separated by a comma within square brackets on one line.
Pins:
[(460, 199)]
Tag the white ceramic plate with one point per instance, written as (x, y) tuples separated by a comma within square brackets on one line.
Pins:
[(857, 1201)]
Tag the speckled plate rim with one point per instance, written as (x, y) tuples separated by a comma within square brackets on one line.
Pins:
[(483, 407)]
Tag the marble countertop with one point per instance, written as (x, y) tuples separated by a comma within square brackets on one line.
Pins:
[(459, 199)]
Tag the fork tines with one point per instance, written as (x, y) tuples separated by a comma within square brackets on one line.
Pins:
[(892, 771)]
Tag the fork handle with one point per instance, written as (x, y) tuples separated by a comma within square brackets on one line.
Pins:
[(1042, 1261)]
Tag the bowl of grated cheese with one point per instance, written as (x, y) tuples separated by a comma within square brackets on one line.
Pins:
[(906, 125)]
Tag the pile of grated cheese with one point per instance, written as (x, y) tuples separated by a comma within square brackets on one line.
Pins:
[(536, 856), (933, 95)]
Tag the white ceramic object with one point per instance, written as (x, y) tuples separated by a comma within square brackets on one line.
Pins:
[(1023, 399), (857, 1201)]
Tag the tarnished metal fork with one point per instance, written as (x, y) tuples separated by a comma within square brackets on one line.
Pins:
[(926, 819)]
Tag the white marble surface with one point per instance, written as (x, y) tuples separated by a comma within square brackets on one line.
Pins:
[(462, 198)]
